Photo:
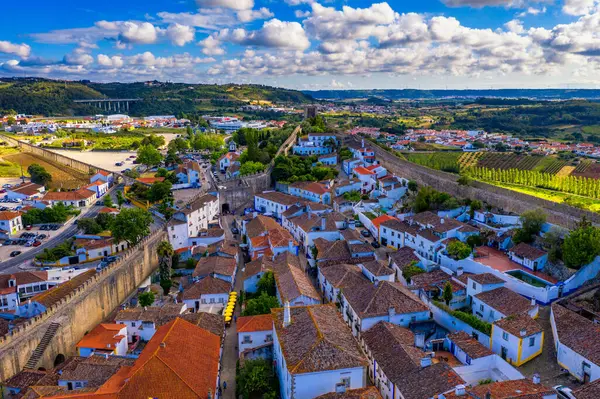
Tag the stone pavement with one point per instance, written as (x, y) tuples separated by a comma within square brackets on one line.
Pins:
[(230, 351), (545, 364)]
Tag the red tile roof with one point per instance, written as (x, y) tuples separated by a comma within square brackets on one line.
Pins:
[(104, 336), (262, 322)]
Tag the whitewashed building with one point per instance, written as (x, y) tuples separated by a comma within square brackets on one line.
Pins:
[(189, 221)]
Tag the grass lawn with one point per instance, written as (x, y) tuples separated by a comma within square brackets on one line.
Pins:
[(9, 168), (555, 196)]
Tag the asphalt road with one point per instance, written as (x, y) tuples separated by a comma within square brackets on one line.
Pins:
[(25, 259)]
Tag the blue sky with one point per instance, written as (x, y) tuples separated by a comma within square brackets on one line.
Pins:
[(308, 44)]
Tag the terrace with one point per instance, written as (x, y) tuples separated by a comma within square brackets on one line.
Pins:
[(499, 261)]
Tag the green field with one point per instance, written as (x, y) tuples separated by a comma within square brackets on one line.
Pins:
[(446, 161), (9, 168), (554, 196)]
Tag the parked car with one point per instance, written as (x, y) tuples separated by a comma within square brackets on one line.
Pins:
[(375, 244), (55, 227), (36, 243), (41, 237), (29, 244), (7, 185), (119, 164), (365, 233), (28, 227), (15, 253)]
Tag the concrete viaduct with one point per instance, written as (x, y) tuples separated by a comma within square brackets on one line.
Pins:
[(110, 104)]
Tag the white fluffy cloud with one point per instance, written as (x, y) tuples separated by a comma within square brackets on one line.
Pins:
[(273, 34), (180, 35), (78, 57), (579, 7), (251, 15), (233, 4), (138, 33), (22, 50), (110, 62)]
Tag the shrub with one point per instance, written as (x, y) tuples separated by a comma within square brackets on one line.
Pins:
[(458, 250), (468, 318), (410, 271)]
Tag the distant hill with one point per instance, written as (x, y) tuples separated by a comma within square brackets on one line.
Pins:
[(411, 94), (55, 98)]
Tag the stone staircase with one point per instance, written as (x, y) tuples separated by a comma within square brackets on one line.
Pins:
[(41, 348)]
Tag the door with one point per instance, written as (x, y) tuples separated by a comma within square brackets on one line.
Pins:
[(503, 353), (197, 306)]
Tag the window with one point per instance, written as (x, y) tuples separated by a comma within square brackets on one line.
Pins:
[(481, 308), (345, 382), (532, 341), (474, 286), (269, 338), (491, 314), (133, 324), (247, 339), (212, 300), (505, 336)]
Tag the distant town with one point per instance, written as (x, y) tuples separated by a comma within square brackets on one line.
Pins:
[(221, 257)]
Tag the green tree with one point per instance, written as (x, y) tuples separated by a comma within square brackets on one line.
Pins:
[(159, 191), (352, 196), (165, 260), (581, 246), (153, 140), (260, 305), (464, 180), (458, 250), (108, 201), (267, 284), (89, 226), (256, 379), (474, 206), (447, 294), (250, 168), (531, 225), (146, 299), (131, 225), (120, 198), (38, 174), (411, 270), (412, 186), (553, 243), (149, 155)]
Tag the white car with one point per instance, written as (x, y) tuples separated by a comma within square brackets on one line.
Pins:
[(564, 392)]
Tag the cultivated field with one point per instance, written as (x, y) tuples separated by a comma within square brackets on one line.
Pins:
[(62, 177)]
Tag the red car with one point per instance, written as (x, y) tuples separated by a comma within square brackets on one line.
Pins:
[(28, 227), (37, 243)]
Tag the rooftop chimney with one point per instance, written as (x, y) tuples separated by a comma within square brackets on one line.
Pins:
[(459, 271), (291, 246), (523, 332), (536, 378), (323, 224), (488, 395), (442, 221), (460, 390), (391, 311), (163, 344), (425, 362), (362, 143), (287, 316), (340, 388), (533, 301)]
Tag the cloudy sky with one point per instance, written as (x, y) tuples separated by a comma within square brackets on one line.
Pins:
[(308, 44)]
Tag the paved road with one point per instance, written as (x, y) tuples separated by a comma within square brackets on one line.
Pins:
[(24, 260), (230, 350)]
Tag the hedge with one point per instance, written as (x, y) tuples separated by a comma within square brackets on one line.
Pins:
[(468, 318)]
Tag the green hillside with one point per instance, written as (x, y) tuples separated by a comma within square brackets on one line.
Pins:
[(54, 98)]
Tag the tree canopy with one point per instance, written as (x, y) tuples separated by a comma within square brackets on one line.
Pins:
[(38, 174), (458, 250), (132, 225), (149, 155), (581, 246), (260, 305)]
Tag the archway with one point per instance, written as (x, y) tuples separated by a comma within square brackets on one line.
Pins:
[(60, 358), (225, 209)]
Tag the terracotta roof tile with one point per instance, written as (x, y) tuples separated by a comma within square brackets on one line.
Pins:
[(343, 275), (263, 322), (371, 300), (360, 393), (102, 337), (505, 301), (526, 251), (519, 325), (215, 265), (208, 285), (473, 348)]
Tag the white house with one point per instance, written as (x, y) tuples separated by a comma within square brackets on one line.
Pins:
[(291, 282), (365, 305), (517, 338), (334, 277), (208, 295), (104, 176), (345, 186), (10, 223), (255, 336), (81, 198), (311, 191), (228, 159), (309, 226), (577, 341), (367, 178), (104, 339), (98, 187), (189, 173), (528, 256), (274, 203), (328, 159), (401, 259), (25, 191), (142, 323), (477, 283), (501, 302), (20, 286), (314, 353), (478, 362), (401, 370), (377, 270), (348, 165), (187, 223), (220, 267)]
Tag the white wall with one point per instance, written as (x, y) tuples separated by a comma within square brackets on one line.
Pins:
[(453, 324), (311, 385), (257, 338), (489, 367)]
